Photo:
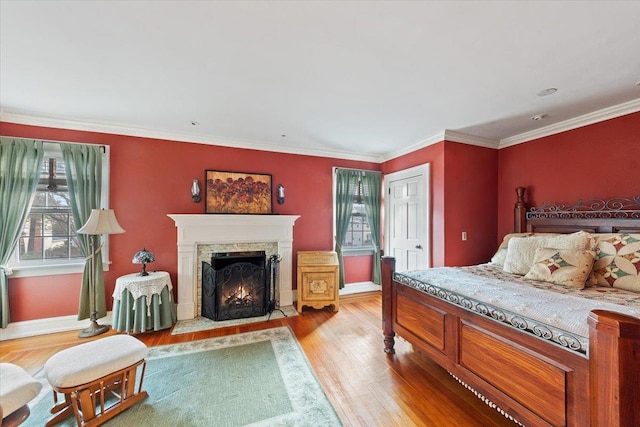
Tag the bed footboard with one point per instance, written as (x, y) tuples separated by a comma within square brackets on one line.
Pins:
[(614, 367), (534, 381)]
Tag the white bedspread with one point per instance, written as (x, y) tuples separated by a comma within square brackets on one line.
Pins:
[(549, 311)]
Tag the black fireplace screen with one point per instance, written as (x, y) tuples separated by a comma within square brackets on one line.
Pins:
[(234, 285)]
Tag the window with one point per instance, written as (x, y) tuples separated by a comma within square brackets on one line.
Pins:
[(49, 232), (48, 243), (357, 240), (358, 234)]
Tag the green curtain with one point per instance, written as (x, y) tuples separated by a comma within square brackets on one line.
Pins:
[(84, 178), (371, 196), (20, 163), (346, 183)]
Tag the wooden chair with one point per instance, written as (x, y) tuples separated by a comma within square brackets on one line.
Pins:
[(97, 379)]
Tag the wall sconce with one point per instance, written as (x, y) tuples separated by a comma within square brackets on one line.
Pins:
[(195, 191), (280, 194)]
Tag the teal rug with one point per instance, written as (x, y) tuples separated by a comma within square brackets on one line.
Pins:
[(255, 379)]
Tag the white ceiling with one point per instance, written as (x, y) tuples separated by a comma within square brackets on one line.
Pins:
[(354, 79)]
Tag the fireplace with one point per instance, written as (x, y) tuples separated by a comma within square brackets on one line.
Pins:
[(234, 285), (227, 233)]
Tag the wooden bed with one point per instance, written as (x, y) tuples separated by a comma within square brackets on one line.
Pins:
[(530, 380)]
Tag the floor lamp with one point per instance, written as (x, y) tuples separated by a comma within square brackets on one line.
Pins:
[(101, 221)]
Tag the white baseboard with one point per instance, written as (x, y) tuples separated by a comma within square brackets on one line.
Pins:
[(31, 328), (356, 288)]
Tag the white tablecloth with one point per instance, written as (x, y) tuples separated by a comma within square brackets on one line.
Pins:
[(133, 293), (147, 286)]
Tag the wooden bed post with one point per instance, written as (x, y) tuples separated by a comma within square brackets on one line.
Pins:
[(614, 366), (520, 212), (388, 266)]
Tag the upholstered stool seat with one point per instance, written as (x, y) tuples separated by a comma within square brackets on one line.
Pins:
[(88, 373), (17, 388)]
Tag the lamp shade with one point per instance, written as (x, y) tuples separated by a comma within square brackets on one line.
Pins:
[(142, 257), (101, 221)]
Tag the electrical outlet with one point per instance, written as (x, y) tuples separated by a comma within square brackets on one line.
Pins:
[(464, 236)]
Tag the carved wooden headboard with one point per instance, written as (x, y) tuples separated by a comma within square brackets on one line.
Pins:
[(616, 215)]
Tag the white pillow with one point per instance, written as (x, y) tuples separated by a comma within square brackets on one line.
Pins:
[(521, 251), (500, 255)]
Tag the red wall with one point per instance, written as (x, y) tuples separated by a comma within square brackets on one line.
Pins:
[(472, 191), (601, 160), (434, 155), (358, 268), (470, 203), (463, 198), (151, 178)]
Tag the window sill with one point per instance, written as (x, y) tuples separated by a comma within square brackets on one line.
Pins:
[(356, 252), (49, 269)]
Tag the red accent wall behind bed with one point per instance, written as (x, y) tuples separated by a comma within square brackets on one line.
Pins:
[(601, 160)]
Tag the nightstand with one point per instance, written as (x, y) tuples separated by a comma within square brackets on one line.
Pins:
[(318, 279), (143, 303)]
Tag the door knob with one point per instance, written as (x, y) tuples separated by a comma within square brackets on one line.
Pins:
[(418, 246)]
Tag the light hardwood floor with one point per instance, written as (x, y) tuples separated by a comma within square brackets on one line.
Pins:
[(366, 386)]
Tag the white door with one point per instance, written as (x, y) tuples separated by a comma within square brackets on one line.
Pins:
[(407, 217)]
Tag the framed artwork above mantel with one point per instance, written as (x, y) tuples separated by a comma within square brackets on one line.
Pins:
[(237, 193)]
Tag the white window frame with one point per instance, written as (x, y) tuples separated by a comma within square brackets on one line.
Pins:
[(346, 250), (35, 268)]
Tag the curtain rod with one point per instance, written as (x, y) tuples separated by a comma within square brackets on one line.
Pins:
[(357, 170), (102, 146)]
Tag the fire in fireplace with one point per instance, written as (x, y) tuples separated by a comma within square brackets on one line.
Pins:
[(234, 285)]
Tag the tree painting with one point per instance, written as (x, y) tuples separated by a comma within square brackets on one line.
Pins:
[(238, 193)]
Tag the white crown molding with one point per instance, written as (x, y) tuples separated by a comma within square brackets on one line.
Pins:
[(180, 137), (619, 110), (31, 328), (453, 136), (448, 135), (418, 145), (445, 135)]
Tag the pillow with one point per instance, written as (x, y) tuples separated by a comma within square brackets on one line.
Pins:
[(501, 254), (617, 261), (521, 250), (566, 267)]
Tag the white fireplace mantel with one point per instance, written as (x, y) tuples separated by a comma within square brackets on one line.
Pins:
[(194, 230)]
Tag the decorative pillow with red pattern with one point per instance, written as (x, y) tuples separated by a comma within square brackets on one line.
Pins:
[(566, 267), (617, 261)]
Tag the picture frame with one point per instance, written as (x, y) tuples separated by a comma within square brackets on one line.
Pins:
[(237, 193)]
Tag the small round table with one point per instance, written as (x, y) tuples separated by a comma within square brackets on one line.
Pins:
[(143, 303)]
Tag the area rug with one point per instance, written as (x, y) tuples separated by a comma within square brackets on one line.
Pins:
[(253, 379), (202, 323)]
